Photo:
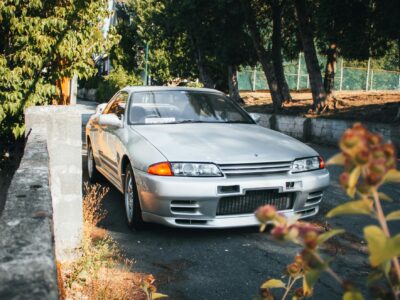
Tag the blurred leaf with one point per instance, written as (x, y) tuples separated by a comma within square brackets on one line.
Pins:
[(384, 197), (353, 295), (273, 284), (351, 191), (355, 174), (386, 266), (392, 176), (394, 215), (158, 296), (327, 235), (381, 248), (337, 159), (358, 207), (309, 280)]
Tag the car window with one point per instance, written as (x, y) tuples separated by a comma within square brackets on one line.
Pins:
[(160, 107), (118, 105)]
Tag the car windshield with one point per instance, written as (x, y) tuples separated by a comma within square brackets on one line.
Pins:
[(173, 107)]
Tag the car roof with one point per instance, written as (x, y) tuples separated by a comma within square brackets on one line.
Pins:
[(167, 88)]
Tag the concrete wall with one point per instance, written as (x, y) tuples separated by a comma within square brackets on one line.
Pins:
[(323, 131), (62, 125), (27, 253), (42, 219)]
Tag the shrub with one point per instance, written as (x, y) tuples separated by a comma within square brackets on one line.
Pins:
[(111, 83)]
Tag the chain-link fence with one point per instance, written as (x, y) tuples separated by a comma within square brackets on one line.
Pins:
[(346, 78)]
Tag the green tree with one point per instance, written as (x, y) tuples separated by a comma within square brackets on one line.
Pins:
[(42, 42), (310, 53), (252, 13)]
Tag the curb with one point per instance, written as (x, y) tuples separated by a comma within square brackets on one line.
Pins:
[(323, 131)]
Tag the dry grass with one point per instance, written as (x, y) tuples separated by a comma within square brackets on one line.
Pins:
[(101, 271), (93, 212)]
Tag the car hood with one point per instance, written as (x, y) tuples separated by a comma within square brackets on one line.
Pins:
[(222, 143)]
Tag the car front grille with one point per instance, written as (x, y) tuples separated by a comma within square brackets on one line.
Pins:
[(248, 203), (255, 168)]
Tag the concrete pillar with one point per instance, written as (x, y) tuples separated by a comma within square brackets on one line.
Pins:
[(73, 90), (64, 143)]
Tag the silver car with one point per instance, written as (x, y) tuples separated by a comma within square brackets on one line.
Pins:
[(193, 158)]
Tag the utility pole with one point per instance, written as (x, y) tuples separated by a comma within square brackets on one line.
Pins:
[(146, 63)]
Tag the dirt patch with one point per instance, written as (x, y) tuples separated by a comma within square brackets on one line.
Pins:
[(371, 106), (9, 163)]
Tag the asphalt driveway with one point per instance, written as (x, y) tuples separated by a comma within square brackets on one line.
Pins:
[(231, 264)]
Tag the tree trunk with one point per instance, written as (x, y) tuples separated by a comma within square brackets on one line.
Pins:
[(277, 51), (263, 56), (310, 55), (330, 69), (205, 78), (233, 84)]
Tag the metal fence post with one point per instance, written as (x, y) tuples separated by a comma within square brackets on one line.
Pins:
[(368, 70), (399, 83), (341, 75), (254, 78), (298, 72), (372, 80)]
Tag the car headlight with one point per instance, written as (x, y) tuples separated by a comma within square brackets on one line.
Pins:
[(184, 169), (195, 169), (307, 164)]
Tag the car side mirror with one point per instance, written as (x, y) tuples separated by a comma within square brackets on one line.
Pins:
[(100, 108), (256, 117), (110, 120)]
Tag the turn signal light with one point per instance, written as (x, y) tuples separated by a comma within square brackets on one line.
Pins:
[(321, 163), (161, 169)]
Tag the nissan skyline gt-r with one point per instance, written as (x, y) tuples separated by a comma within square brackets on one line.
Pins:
[(189, 157)]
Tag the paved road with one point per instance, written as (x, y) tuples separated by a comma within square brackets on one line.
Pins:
[(231, 264)]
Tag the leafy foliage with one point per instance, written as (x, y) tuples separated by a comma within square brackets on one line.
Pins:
[(41, 43), (118, 78)]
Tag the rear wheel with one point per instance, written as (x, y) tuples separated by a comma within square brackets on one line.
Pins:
[(94, 175), (132, 203)]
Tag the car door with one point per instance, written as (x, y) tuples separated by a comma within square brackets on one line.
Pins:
[(101, 138), (111, 135)]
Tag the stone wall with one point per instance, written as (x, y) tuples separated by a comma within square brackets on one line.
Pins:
[(42, 219), (27, 252), (323, 131)]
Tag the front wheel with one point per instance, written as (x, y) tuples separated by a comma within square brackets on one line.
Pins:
[(94, 175), (132, 203)]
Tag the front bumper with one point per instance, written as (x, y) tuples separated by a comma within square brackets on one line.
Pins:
[(193, 202)]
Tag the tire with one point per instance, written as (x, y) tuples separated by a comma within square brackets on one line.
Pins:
[(93, 174), (131, 200)]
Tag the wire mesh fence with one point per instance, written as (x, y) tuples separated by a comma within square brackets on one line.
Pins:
[(346, 77)]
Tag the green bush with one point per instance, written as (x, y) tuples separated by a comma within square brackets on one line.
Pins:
[(118, 78)]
